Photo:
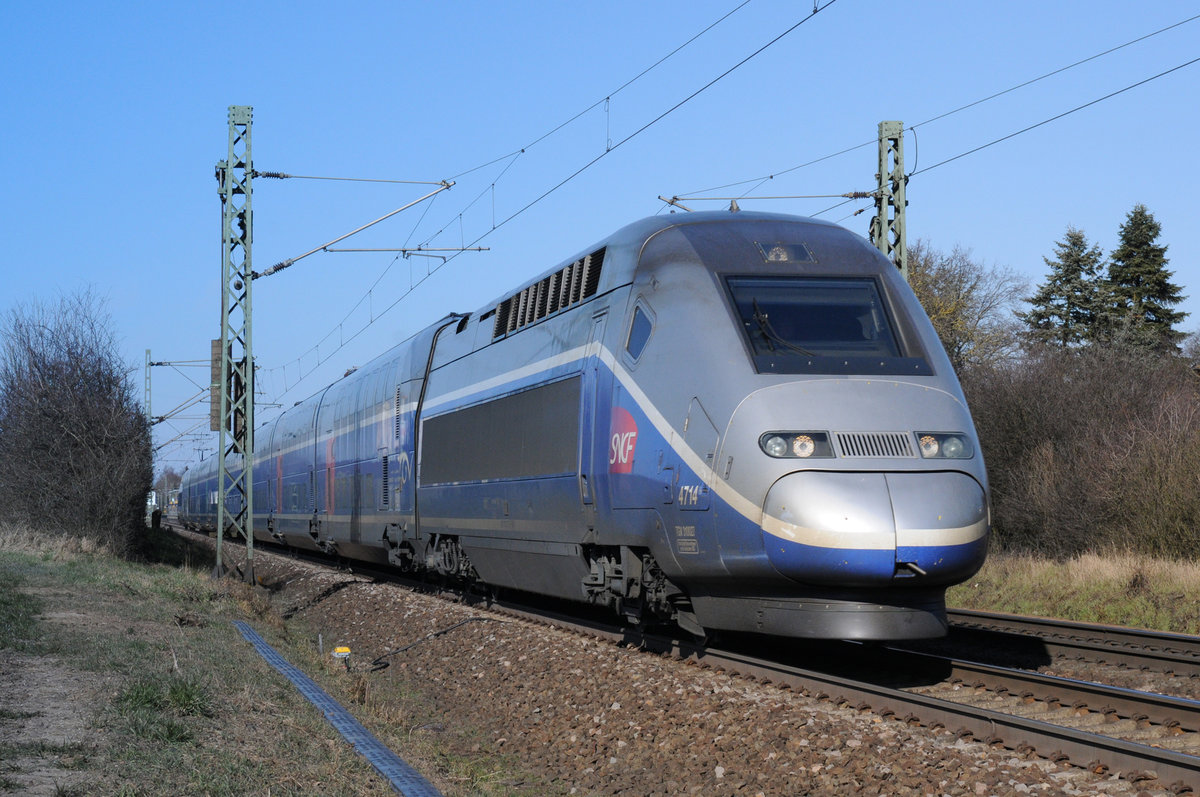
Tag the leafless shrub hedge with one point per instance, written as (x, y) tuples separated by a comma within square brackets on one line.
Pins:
[(75, 454), (1091, 450)]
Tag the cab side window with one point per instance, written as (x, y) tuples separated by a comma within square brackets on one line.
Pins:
[(639, 332)]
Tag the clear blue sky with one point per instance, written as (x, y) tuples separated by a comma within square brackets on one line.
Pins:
[(115, 115)]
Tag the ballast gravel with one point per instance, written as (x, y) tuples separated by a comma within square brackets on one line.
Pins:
[(587, 717)]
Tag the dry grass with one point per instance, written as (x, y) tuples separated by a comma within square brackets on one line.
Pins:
[(178, 708), (183, 705), (59, 547), (1117, 588)]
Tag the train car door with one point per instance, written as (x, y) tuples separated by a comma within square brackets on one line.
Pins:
[(398, 486), (591, 425), (401, 470)]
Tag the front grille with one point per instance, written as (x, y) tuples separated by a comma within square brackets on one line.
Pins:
[(873, 444)]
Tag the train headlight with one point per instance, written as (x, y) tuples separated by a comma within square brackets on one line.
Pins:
[(803, 445), (945, 445), (775, 446), (796, 445)]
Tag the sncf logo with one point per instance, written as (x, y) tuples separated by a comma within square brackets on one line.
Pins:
[(623, 442)]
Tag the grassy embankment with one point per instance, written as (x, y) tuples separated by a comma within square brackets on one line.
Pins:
[(1118, 589), (157, 692)]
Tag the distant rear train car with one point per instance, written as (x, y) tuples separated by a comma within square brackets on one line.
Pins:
[(725, 420)]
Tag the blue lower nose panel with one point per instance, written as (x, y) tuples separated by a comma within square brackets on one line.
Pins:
[(859, 529), (825, 527), (945, 564), (813, 565)]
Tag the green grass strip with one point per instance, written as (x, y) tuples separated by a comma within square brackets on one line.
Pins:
[(18, 614)]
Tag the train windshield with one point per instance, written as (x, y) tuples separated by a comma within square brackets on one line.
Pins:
[(819, 325)]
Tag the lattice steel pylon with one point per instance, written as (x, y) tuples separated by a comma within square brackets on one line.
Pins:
[(151, 418), (235, 419), (887, 227)]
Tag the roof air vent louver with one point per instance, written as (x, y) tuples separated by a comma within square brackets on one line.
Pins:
[(562, 289)]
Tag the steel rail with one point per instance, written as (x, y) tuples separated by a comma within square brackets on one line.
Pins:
[(1082, 747), (1099, 698), (1136, 647)]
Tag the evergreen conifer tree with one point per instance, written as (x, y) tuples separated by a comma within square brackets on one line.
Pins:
[(1068, 307), (1142, 291)]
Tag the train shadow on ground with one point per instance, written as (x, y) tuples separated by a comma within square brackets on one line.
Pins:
[(894, 664)]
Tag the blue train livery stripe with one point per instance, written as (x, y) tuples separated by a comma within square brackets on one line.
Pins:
[(694, 471)]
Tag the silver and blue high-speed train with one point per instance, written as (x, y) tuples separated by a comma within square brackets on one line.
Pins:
[(728, 420)]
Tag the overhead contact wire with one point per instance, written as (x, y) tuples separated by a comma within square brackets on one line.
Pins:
[(1055, 72), (765, 178), (610, 94), (513, 155), (1055, 117), (657, 119), (637, 77), (1042, 123), (589, 164)]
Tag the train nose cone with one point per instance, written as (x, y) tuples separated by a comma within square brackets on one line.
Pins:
[(876, 529)]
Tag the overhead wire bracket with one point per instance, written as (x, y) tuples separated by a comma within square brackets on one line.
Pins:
[(444, 185)]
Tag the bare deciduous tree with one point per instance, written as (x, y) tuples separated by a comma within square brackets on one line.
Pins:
[(1191, 348), (75, 452), (972, 306), (167, 481)]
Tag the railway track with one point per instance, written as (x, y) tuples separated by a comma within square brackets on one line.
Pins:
[(1178, 654), (1141, 735)]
